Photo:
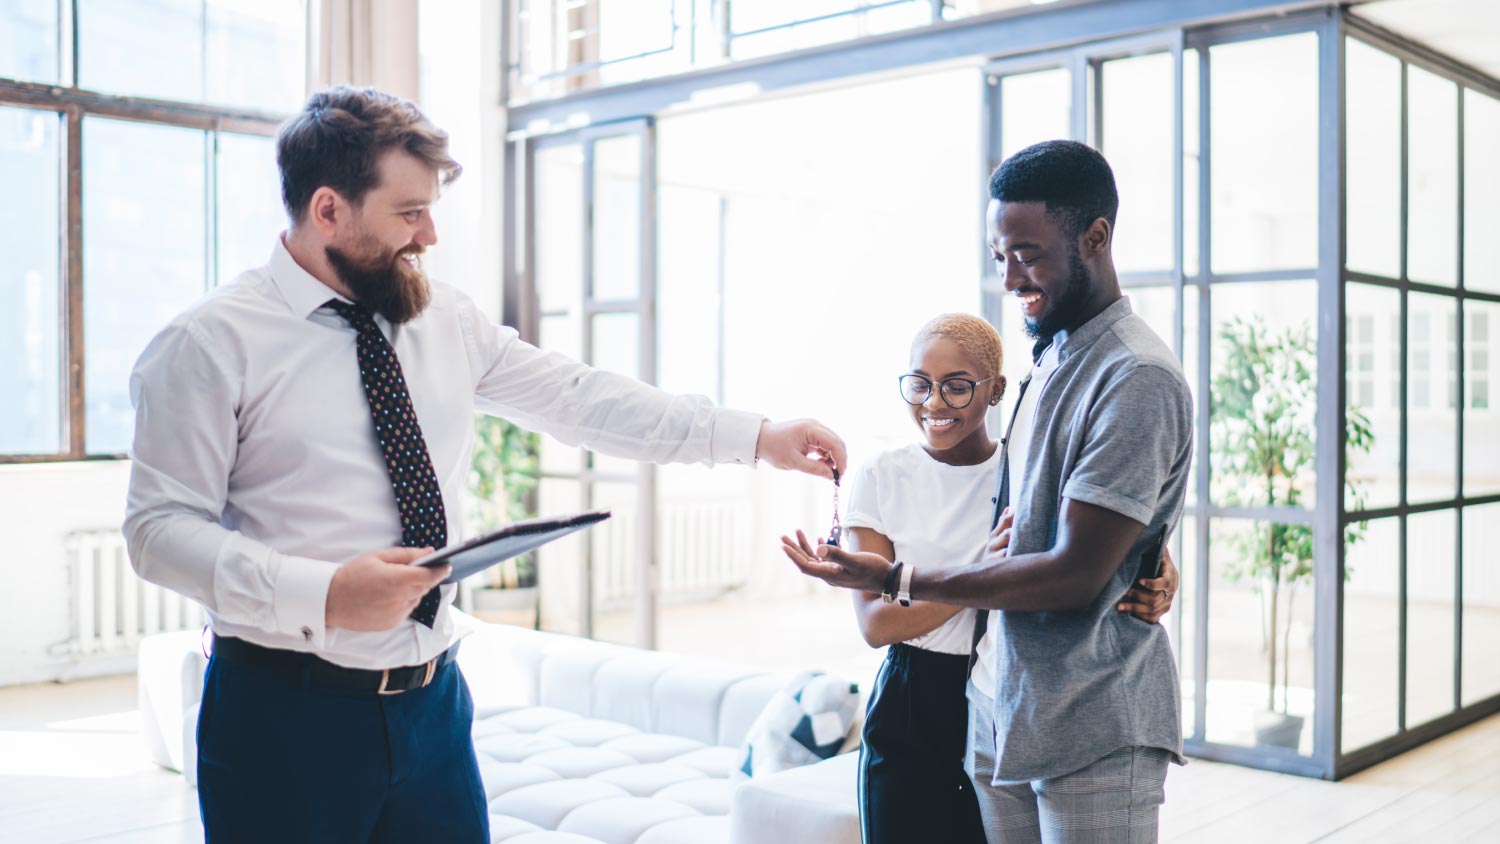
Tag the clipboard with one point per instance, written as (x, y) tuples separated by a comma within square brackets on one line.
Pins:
[(481, 552), (1148, 566)]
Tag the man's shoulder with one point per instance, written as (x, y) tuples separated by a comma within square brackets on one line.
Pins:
[(1130, 349), (223, 309)]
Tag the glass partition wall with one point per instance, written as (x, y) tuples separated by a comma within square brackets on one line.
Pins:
[(1304, 209)]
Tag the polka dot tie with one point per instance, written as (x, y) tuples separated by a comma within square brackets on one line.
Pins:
[(423, 521)]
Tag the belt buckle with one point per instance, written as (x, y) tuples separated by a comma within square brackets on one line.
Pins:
[(385, 678)]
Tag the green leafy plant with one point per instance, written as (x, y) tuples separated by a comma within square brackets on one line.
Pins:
[(1263, 409), (502, 479)]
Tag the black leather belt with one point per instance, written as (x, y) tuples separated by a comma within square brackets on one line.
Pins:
[(322, 673)]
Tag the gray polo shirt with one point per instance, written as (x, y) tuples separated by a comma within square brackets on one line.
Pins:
[(1113, 428)]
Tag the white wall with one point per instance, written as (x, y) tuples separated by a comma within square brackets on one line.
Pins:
[(39, 507)]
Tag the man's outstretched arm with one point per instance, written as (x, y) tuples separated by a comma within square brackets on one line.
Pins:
[(1092, 542)]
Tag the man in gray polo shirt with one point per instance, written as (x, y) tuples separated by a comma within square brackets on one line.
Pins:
[(1073, 705)]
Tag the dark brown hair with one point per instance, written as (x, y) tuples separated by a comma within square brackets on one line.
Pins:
[(340, 134)]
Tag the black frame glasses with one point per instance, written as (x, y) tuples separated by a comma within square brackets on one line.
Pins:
[(911, 378)]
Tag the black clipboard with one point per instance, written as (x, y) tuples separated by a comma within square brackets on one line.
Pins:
[(481, 552), (1148, 565)]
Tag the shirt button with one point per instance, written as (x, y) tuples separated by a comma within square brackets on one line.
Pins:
[(307, 633)]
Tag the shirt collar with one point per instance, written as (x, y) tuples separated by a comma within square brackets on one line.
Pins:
[(1084, 335), (303, 293)]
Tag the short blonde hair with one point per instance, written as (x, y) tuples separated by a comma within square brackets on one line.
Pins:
[(976, 337)]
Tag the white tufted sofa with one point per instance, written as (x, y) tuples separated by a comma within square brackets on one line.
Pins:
[(583, 742)]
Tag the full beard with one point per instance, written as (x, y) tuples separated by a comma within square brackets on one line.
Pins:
[(387, 284), (1068, 307)]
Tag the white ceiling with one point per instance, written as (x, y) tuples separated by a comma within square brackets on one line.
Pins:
[(1467, 30)]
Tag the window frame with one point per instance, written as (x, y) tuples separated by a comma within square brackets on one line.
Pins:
[(72, 104)]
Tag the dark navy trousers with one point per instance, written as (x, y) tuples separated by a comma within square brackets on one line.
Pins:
[(912, 783), (281, 760)]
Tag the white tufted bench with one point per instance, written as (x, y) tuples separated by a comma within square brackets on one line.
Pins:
[(582, 742)]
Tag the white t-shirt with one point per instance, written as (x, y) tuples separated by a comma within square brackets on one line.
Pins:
[(934, 514), (983, 674)]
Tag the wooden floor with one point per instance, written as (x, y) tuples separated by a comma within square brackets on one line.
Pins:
[(72, 769)]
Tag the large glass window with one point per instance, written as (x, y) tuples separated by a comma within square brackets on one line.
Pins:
[(1373, 182), (1481, 466), (765, 27), (247, 195), (1260, 643), (1264, 394), (1034, 107), (1432, 440), (1481, 609), (1431, 560), (1481, 175), (1373, 396), (146, 225), (1137, 139), (1372, 627), (1265, 172), (170, 200), (28, 40), (246, 53), (1431, 177), (798, 218), (30, 335)]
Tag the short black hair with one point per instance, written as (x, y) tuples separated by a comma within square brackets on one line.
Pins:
[(1073, 179)]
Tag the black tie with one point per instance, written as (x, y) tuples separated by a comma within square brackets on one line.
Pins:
[(423, 522)]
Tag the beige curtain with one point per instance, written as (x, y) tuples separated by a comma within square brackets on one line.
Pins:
[(364, 42)]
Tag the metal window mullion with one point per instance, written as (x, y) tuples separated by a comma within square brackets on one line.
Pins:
[(1261, 276), (165, 112), (1094, 69), (1179, 183), (1178, 216), (1460, 394), (73, 383), (586, 340), (1205, 338), (1078, 114), (1405, 370), (211, 210), (1332, 362), (646, 539)]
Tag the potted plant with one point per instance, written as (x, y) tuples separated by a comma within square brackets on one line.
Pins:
[(1263, 406), (502, 489)]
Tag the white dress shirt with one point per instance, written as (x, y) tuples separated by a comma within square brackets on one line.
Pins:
[(256, 470)]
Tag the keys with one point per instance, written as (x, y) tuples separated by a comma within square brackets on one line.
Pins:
[(837, 529)]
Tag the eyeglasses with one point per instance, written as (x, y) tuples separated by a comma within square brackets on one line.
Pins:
[(957, 393)]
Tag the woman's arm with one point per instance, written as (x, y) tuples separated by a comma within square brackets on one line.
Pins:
[(886, 624)]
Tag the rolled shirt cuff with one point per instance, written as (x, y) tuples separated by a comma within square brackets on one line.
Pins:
[(1109, 500)]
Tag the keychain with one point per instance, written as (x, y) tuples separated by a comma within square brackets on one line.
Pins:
[(833, 534)]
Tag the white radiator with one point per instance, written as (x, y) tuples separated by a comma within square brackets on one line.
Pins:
[(111, 607), (702, 551)]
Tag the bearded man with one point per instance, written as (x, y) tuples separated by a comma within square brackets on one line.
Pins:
[(320, 407)]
